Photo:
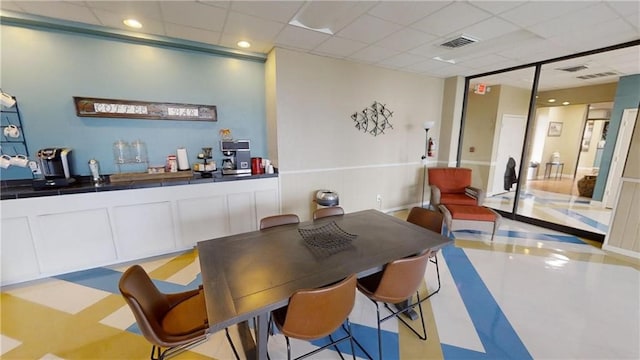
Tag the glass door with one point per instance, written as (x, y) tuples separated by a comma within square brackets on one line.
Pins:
[(494, 128)]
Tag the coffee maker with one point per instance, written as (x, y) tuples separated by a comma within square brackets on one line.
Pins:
[(238, 160), (55, 165)]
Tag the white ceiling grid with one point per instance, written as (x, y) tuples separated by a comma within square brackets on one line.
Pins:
[(401, 35)]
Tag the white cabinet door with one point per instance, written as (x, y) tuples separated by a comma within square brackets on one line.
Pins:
[(242, 213), (19, 261), (266, 203), (144, 230), (203, 218), (74, 240)]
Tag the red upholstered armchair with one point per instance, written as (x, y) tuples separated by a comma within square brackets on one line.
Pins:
[(452, 186)]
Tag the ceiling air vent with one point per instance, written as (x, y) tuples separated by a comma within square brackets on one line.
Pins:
[(573, 68), (460, 41), (598, 75)]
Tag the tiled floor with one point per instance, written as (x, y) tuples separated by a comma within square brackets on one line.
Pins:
[(531, 293), (563, 209)]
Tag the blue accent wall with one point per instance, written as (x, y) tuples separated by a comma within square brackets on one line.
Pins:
[(44, 69), (627, 96)]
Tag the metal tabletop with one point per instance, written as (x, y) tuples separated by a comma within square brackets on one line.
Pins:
[(250, 274)]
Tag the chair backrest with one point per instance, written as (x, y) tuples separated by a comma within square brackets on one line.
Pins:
[(277, 220), (147, 303), (316, 313), (428, 219), (401, 278), (450, 179), (328, 211)]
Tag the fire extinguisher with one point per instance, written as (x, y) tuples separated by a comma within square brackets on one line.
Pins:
[(431, 148)]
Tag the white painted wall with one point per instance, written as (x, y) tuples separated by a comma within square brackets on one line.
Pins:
[(318, 146)]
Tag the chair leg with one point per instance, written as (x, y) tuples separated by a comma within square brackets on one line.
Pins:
[(397, 313), (235, 352), (335, 346), (288, 348), (435, 261)]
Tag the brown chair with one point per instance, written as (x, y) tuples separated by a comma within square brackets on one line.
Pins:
[(396, 283), (431, 220), (317, 313), (452, 186), (277, 220), (172, 321), (327, 211)]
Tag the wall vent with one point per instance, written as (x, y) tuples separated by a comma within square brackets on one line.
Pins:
[(597, 75), (573, 68), (460, 41)]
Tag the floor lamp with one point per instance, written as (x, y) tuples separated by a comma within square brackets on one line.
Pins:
[(427, 125)]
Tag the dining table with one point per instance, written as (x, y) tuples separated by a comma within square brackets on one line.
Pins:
[(247, 275)]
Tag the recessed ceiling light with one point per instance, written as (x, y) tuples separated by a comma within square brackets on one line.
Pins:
[(244, 44), (566, 103), (551, 100), (132, 23)]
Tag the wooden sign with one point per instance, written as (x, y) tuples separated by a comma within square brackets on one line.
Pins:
[(110, 108)]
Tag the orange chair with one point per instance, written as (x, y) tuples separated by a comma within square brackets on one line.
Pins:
[(172, 321), (431, 220), (397, 283), (316, 313), (277, 220), (452, 186), (328, 211)]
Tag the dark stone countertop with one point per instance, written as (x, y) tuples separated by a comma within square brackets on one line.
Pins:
[(20, 189)]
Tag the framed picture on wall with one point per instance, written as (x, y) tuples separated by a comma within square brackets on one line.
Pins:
[(555, 129)]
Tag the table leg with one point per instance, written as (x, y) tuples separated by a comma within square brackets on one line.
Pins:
[(262, 335)]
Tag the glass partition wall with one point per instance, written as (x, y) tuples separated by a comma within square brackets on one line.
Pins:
[(540, 139)]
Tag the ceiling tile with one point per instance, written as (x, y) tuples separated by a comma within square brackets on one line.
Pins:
[(253, 28), (372, 54), (489, 29), (451, 18), (280, 11), (11, 6), (405, 39), (496, 7), (368, 29), (589, 38), (257, 46), (402, 60), (339, 47), (193, 34), (427, 65), (143, 9), (539, 11), (293, 36), (590, 16), (334, 15), (218, 3), (624, 8), (61, 10), (194, 15), (428, 50), (406, 12), (114, 20)]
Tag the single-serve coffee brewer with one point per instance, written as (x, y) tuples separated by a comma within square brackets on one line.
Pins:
[(55, 165), (238, 157)]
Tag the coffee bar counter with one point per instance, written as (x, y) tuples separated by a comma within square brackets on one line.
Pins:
[(18, 189), (55, 231)]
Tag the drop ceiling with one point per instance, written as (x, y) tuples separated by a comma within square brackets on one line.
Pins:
[(399, 35)]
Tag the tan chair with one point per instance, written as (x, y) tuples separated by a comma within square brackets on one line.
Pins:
[(277, 220), (317, 313), (452, 186), (396, 283), (172, 321), (327, 211), (431, 220)]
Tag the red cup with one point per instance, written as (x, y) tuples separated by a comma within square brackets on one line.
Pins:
[(256, 166)]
